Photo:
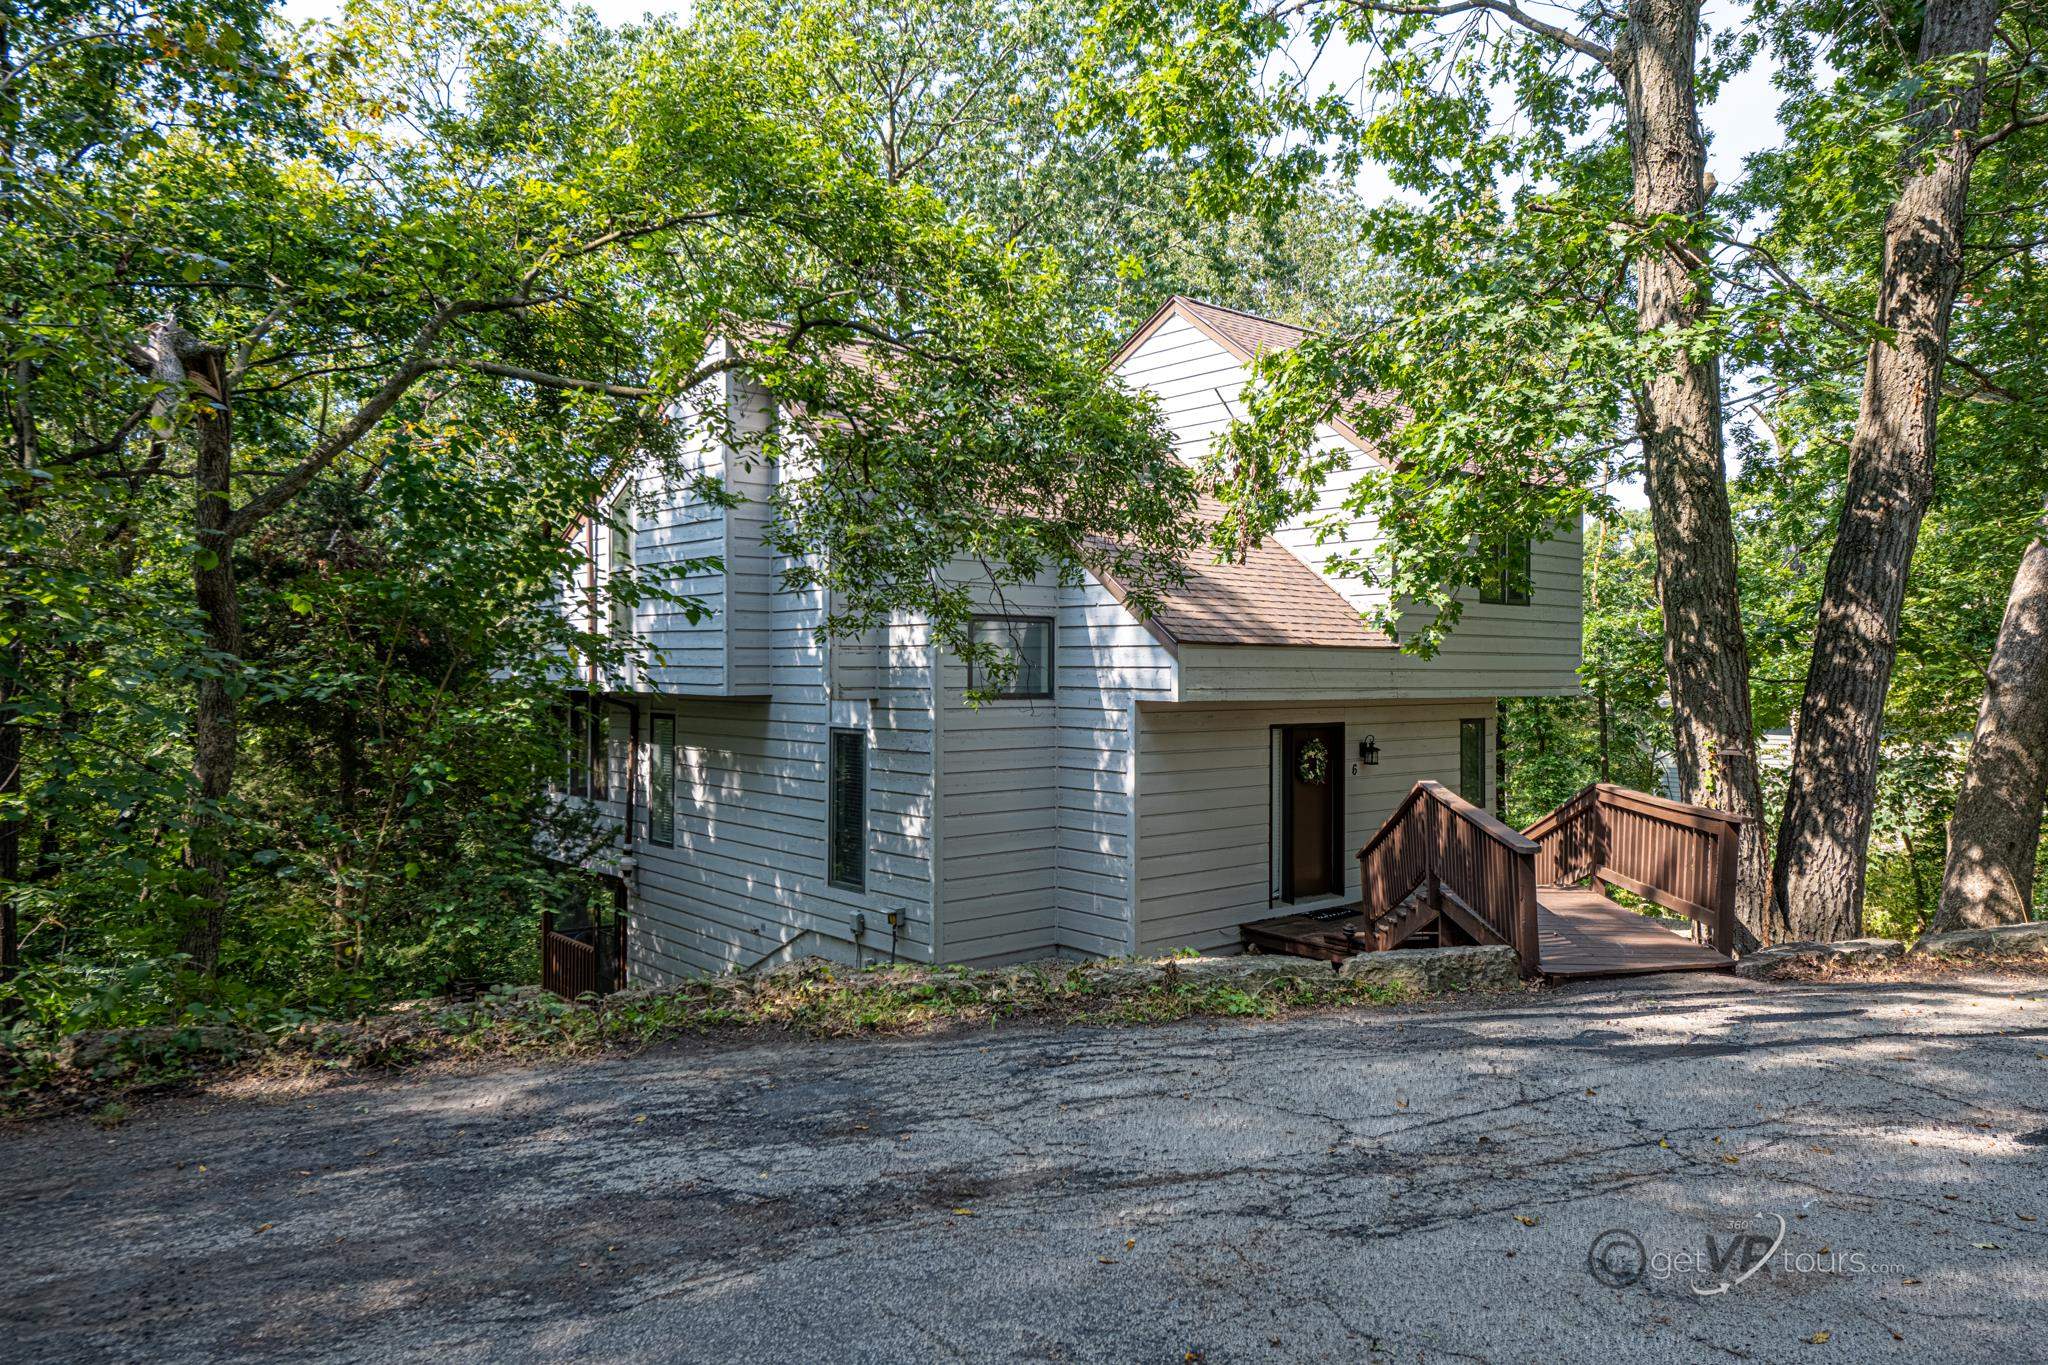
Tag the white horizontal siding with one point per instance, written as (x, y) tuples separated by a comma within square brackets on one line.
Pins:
[(745, 882), (1205, 804), (1495, 649), (1034, 796)]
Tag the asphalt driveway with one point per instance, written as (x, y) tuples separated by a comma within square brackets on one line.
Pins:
[(1415, 1185)]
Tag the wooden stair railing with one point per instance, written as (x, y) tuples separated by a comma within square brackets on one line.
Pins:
[(573, 963), (1476, 873), (1671, 853)]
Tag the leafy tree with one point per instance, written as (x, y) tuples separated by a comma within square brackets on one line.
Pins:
[(1914, 96), (973, 101), (456, 259), (1620, 730), (1534, 339)]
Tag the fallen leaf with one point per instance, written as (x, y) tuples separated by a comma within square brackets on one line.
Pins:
[(1663, 1142), (2024, 1217), (1732, 1160), (1824, 1151), (1592, 1092), (265, 1227), (1818, 1339), (1525, 1220), (1106, 1260), (639, 1118), (1130, 1244), (963, 1213), (1909, 1281), (1987, 1246)]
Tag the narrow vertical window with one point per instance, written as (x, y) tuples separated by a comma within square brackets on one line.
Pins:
[(1472, 761), (846, 811), (597, 752), (621, 568), (661, 780), (1504, 567), (578, 737)]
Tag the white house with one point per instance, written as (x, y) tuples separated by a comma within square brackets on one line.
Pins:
[(1150, 785)]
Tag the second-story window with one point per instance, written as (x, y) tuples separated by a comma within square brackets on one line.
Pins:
[(1026, 643), (621, 565), (1504, 570)]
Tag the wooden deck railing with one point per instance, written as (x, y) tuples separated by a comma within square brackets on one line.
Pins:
[(571, 965), (1477, 873), (1670, 853)]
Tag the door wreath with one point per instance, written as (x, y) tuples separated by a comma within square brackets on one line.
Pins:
[(1312, 764)]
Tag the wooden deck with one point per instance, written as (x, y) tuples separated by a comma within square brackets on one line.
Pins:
[(1582, 933), (1578, 934), (1441, 870)]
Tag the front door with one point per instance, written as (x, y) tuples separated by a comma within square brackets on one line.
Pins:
[(1312, 811)]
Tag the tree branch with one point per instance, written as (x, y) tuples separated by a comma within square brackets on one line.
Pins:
[(1506, 9), (2018, 125)]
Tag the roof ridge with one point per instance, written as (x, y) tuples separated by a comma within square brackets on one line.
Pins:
[(1241, 313)]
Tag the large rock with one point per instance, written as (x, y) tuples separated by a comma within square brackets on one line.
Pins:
[(1851, 952), (2006, 941), (156, 1044), (1430, 970)]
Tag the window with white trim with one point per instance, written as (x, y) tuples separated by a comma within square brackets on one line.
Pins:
[(1025, 643)]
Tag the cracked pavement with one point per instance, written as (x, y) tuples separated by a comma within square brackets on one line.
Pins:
[(1412, 1184)]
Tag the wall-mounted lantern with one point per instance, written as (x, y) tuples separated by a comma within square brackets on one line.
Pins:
[(1368, 751)]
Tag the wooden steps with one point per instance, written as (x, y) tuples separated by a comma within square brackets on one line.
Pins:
[(1448, 872)]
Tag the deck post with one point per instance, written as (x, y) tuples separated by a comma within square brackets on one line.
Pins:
[(1433, 885), (1529, 947), (1725, 847)]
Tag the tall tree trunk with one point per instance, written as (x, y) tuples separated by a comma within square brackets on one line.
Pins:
[(1996, 833), (22, 420), (1706, 655), (10, 824), (1600, 703), (1824, 836), (215, 715)]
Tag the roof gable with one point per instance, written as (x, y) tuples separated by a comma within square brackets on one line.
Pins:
[(1246, 337)]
